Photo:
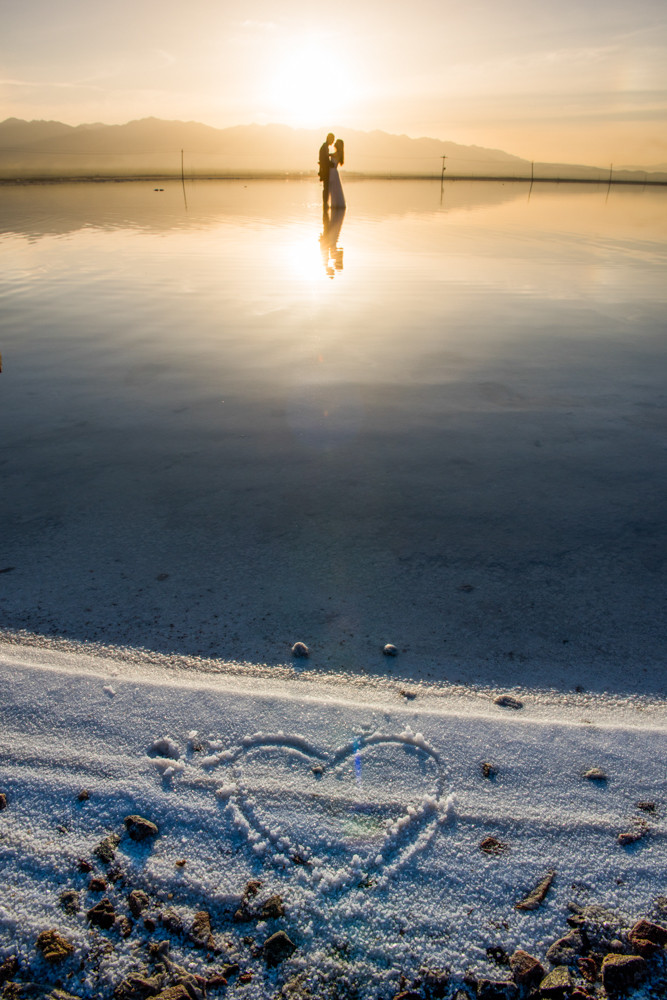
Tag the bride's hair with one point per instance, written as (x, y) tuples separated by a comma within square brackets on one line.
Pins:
[(339, 146)]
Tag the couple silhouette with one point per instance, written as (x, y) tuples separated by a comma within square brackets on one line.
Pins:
[(332, 189)]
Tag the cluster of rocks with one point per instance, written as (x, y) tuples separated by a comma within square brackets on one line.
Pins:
[(597, 958)]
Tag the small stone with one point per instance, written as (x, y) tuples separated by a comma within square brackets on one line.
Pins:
[(390, 650), (3, 801), (178, 992), (567, 949), (53, 946), (647, 807), (216, 981), (492, 846), (149, 924), (124, 925), (488, 770), (317, 770), (300, 650), (498, 955), (69, 901), (557, 985), (137, 901), (97, 884), (139, 828), (631, 836), (230, 970), (171, 920), (201, 932), (106, 849), (595, 774), (245, 977), (8, 969), (536, 896), (526, 970), (620, 971), (181, 863), (272, 908), (507, 701), (252, 888), (83, 795), (84, 866), (407, 694), (588, 969), (102, 914), (277, 948), (647, 938)]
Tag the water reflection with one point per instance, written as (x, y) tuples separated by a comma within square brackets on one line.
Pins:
[(332, 254)]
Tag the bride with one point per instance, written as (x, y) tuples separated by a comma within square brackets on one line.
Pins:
[(336, 159)]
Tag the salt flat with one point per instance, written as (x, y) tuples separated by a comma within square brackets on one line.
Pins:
[(362, 804)]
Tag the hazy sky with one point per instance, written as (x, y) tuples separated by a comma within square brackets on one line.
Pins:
[(567, 80)]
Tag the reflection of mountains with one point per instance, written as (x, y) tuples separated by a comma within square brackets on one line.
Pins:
[(37, 209), (152, 147)]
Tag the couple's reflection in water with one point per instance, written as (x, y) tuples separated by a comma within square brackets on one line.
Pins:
[(332, 254)]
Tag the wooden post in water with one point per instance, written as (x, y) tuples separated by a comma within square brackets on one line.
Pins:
[(182, 173)]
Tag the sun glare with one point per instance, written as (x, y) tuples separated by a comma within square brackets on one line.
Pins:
[(309, 86)]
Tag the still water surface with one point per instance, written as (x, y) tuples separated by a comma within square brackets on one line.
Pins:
[(437, 421)]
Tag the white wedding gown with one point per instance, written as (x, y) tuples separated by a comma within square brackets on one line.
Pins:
[(336, 196)]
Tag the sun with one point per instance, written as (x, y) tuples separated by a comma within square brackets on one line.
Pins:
[(309, 85)]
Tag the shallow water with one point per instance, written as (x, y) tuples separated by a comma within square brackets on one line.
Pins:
[(441, 424)]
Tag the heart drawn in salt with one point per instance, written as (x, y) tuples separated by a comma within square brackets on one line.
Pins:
[(342, 815)]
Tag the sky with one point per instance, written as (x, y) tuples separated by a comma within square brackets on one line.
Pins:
[(554, 80)]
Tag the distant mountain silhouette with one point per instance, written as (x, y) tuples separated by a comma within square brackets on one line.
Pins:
[(152, 147)]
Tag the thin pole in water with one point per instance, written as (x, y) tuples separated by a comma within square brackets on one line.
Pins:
[(185, 200)]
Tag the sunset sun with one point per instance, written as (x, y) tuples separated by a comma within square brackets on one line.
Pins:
[(309, 85)]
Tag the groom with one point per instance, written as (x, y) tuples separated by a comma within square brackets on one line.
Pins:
[(324, 167)]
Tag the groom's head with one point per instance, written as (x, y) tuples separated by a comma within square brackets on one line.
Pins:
[(330, 138)]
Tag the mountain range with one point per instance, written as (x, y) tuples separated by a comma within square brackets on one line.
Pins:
[(153, 147)]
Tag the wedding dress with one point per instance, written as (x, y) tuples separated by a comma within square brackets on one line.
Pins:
[(335, 187)]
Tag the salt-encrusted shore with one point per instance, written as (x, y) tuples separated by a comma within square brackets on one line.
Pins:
[(305, 835)]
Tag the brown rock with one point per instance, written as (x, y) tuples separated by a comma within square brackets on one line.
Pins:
[(488, 770), (124, 925), (201, 932), (84, 866), (252, 888), (299, 649), (507, 701), (83, 795), (106, 849), (277, 948), (53, 946), (567, 949), (272, 908), (621, 971), (3, 801), (97, 884), (138, 902), (526, 970), (139, 828), (215, 981), (178, 992), (595, 774), (492, 846), (536, 896), (170, 919), (557, 985), (647, 807), (102, 914), (588, 969), (636, 832), (647, 938), (8, 969)]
